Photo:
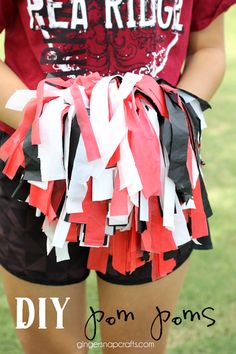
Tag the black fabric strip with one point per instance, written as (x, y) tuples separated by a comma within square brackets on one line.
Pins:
[(166, 135), (22, 191), (195, 119), (74, 140), (146, 255), (32, 162), (204, 104), (195, 127), (206, 204), (178, 155), (205, 241), (160, 207)]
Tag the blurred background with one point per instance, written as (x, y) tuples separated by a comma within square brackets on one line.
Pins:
[(211, 278)]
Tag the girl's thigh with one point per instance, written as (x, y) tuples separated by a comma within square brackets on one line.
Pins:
[(28, 272), (71, 299), (147, 308)]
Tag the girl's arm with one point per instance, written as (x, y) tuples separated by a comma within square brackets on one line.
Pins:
[(205, 62), (9, 83), (202, 74)]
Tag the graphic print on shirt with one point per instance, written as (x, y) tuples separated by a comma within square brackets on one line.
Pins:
[(108, 36)]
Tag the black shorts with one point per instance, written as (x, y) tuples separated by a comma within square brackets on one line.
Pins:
[(23, 251)]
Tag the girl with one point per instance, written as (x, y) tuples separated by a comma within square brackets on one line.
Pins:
[(67, 38)]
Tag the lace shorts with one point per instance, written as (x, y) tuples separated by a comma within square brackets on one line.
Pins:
[(23, 251)]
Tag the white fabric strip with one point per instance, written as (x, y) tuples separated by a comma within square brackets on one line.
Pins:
[(50, 151), (75, 200), (38, 213), (62, 254), (41, 185), (103, 186), (108, 133), (129, 177), (19, 99), (187, 98), (62, 229), (81, 234), (122, 220), (180, 232), (109, 230), (129, 225), (189, 205), (128, 82), (196, 242), (169, 204), (49, 231), (195, 171), (134, 199), (118, 220), (169, 197), (197, 108), (80, 175), (144, 209)]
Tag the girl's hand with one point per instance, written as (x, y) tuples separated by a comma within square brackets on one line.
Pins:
[(9, 83)]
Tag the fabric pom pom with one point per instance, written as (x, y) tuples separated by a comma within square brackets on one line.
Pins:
[(114, 164)]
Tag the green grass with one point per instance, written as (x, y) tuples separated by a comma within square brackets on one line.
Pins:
[(211, 278)]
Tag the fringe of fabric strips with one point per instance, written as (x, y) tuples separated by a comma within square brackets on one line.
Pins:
[(113, 163)]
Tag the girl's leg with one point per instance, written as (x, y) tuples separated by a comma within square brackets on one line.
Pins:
[(50, 340), (142, 300)]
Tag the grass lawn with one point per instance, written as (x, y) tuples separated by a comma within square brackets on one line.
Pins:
[(211, 279)]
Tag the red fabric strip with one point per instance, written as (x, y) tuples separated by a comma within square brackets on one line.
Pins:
[(95, 228), (72, 233), (119, 247), (145, 148), (88, 82), (153, 90), (58, 193), (35, 136), (16, 160), (7, 149), (160, 267), (98, 258), (41, 199), (119, 201), (90, 142), (134, 253), (161, 238)]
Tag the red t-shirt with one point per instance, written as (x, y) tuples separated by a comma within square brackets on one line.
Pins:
[(67, 38)]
